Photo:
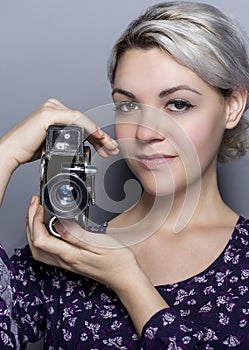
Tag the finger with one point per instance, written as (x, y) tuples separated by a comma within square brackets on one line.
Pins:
[(43, 241), (28, 233), (74, 234), (105, 146), (40, 234), (34, 204), (103, 152), (53, 251), (92, 132), (67, 115), (94, 242)]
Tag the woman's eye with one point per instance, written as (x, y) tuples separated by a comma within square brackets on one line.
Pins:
[(179, 105), (127, 107)]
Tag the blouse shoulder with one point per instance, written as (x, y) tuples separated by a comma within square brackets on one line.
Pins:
[(242, 226), (240, 237)]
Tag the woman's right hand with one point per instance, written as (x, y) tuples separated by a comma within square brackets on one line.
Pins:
[(24, 142)]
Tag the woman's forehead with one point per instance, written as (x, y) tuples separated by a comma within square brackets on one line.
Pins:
[(153, 68)]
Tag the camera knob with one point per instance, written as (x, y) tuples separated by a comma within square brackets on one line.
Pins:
[(90, 170)]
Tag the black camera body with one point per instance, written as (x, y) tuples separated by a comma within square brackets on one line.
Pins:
[(67, 179)]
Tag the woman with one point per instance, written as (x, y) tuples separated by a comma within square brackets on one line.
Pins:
[(180, 81)]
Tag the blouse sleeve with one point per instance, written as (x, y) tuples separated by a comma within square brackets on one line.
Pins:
[(167, 330), (8, 324), (29, 301), (21, 301)]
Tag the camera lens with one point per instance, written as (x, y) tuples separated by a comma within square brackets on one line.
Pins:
[(65, 196)]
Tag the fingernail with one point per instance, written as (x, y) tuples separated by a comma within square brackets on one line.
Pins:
[(33, 199), (101, 132), (114, 143), (115, 151)]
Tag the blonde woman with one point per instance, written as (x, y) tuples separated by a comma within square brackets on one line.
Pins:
[(180, 80)]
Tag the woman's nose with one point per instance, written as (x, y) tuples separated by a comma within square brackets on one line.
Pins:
[(148, 129)]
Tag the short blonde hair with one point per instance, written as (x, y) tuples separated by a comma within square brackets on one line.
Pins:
[(202, 38)]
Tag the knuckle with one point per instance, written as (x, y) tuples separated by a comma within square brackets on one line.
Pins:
[(45, 109), (69, 260), (52, 100), (78, 114), (38, 242), (48, 105)]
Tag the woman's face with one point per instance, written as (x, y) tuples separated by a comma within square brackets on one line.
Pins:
[(169, 122)]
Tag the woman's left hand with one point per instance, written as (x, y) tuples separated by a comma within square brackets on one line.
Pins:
[(95, 255), (98, 256)]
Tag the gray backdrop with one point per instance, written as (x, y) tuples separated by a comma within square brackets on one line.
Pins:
[(60, 48)]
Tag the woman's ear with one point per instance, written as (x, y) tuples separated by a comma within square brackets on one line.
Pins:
[(236, 106)]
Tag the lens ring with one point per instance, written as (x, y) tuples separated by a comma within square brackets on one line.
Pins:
[(75, 195), (67, 194)]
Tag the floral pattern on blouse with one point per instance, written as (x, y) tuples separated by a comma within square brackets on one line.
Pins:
[(209, 311)]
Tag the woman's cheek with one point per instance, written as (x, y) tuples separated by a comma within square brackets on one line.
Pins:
[(206, 140), (126, 137), (122, 131)]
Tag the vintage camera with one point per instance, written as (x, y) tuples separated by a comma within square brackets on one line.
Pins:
[(66, 177)]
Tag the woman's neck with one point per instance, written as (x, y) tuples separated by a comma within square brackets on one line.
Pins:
[(198, 205)]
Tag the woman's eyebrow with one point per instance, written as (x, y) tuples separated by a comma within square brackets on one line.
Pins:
[(167, 92), (162, 94), (123, 92)]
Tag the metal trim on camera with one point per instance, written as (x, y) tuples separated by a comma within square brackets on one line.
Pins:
[(67, 180)]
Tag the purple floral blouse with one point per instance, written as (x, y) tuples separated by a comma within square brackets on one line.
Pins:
[(208, 311)]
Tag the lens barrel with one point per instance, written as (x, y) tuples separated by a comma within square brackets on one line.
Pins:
[(65, 195)]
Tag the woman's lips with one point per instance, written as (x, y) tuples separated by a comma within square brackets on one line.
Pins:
[(154, 161)]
